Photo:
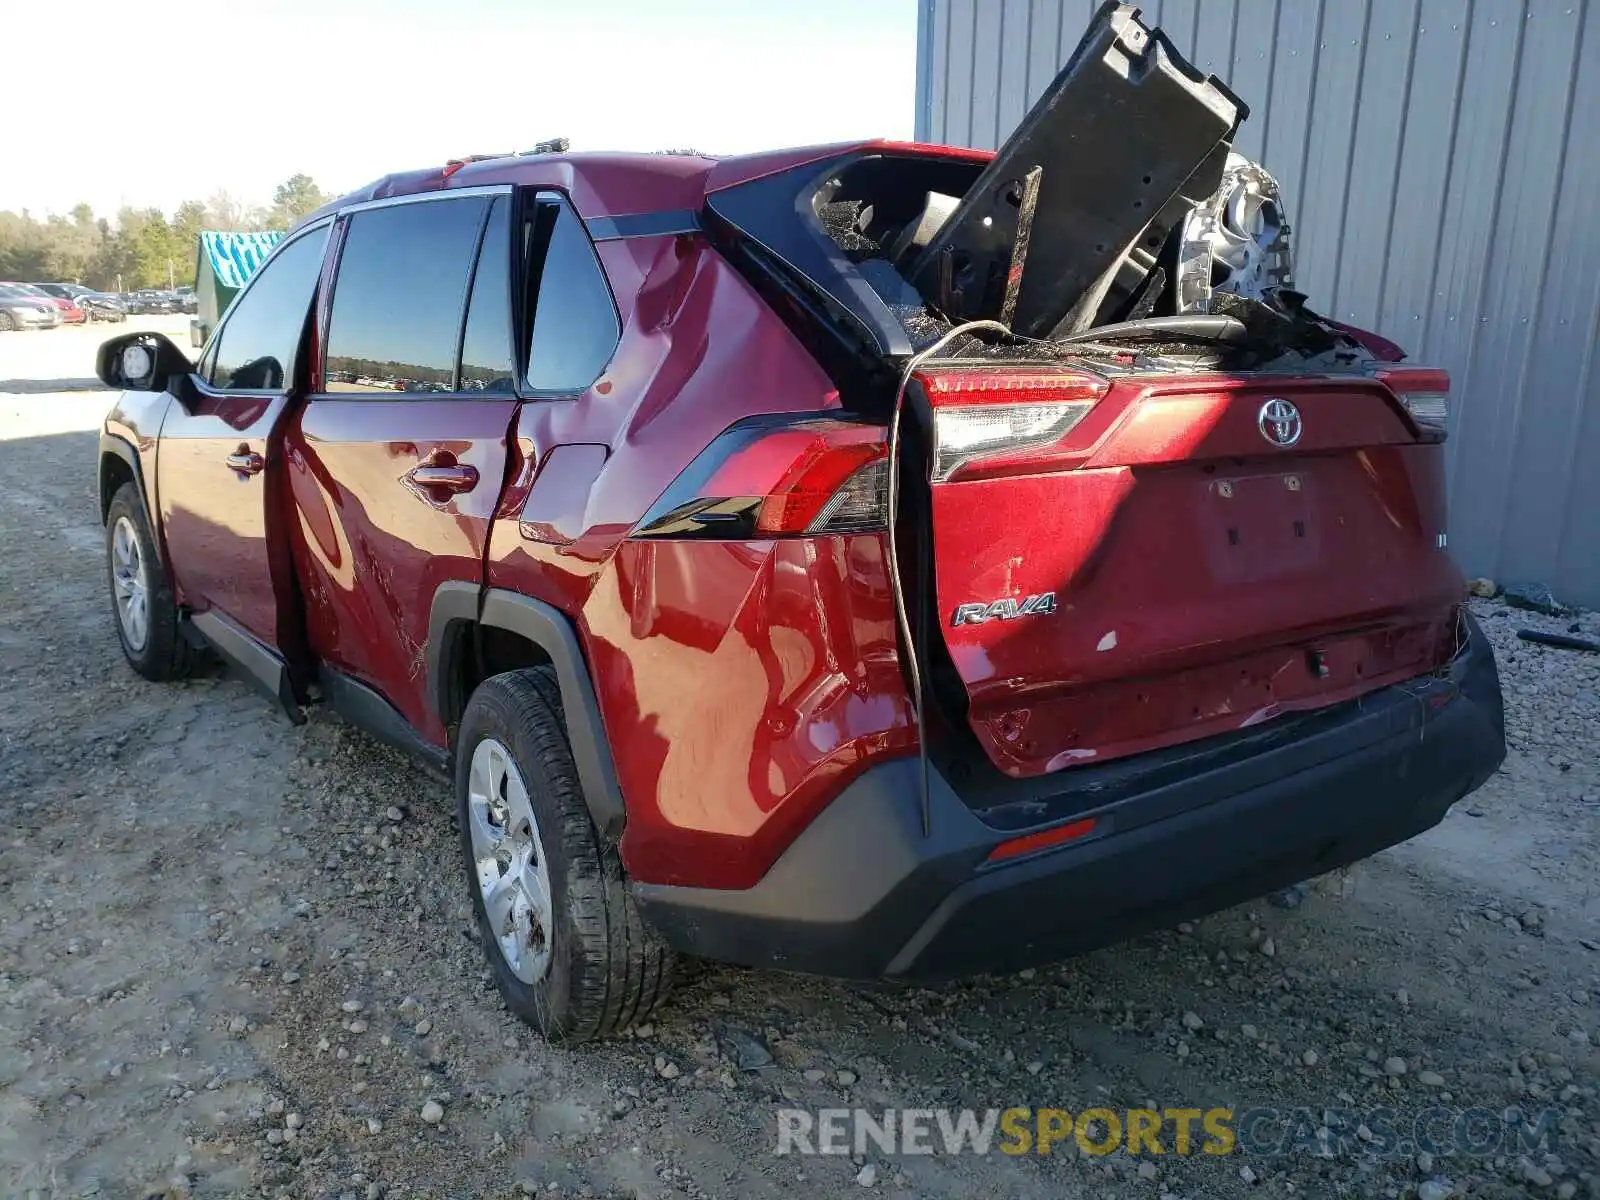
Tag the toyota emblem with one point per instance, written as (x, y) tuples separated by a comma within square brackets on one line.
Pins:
[(1279, 422)]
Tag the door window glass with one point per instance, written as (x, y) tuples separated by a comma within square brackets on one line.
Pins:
[(399, 296), (256, 346)]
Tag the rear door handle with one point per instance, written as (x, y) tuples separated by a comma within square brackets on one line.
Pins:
[(453, 479), (246, 461)]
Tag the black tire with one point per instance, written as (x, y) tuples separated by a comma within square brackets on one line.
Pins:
[(8, 323), (607, 970), (165, 655)]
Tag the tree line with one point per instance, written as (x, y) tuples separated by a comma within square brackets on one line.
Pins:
[(141, 247)]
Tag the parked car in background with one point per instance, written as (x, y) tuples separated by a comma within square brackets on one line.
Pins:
[(64, 291), (68, 311), (103, 306), (99, 306), (187, 301), (24, 310), (151, 301)]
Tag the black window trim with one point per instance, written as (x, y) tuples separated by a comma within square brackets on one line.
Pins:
[(522, 334), (489, 191), (208, 352), (472, 283)]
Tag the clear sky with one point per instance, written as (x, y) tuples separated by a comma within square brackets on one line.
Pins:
[(158, 102)]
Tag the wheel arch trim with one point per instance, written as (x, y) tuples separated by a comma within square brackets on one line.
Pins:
[(114, 446), (460, 602)]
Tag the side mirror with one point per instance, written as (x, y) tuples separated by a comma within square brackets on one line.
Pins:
[(140, 362)]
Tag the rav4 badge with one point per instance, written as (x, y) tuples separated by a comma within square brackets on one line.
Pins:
[(1004, 610)]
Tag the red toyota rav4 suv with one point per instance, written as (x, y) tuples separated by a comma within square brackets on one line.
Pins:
[(871, 559)]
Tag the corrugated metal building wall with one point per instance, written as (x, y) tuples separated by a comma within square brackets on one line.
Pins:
[(1440, 161)]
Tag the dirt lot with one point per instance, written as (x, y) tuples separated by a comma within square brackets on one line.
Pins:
[(62, 359), (236, 958)]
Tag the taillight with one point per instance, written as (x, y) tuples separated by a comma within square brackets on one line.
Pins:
[(834, 485), (983, 415), (858, 505), (1424, 391), (779, 477)]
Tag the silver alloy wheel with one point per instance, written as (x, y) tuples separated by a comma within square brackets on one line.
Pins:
[(513, 877), (129, 585)]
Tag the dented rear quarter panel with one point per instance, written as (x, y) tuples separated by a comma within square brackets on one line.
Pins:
[(738, 682), (744, 683)]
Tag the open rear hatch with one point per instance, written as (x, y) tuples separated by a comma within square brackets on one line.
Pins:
[(1174, 501), (1129, 562)]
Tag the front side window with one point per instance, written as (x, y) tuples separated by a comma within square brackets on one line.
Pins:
[(399, 296), (256, 346), (575, 328)]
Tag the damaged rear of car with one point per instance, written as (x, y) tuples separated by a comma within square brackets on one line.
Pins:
[(1168, 548)]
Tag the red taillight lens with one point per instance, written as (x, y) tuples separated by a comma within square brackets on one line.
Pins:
[(968, 385), (988, 416), (832, 488), (776, 477), (1424, 391)]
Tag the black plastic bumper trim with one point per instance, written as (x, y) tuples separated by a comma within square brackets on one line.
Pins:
[(862, 894)]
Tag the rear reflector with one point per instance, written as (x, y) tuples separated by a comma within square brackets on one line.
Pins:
[(1033, 842), (1424, 391), (988, 416), (779, 477)]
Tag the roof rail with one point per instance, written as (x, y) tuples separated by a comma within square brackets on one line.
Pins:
[(553, 146)]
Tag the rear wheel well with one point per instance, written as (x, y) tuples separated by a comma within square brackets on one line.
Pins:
[(114, 472), (474, 635), (476, 652)]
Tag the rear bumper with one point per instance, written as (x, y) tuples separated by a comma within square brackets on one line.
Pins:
[(863, 894)]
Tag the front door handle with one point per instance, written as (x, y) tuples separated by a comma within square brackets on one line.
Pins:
[(246, 461), (454, 479)]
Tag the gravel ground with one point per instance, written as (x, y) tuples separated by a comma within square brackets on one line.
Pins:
[(236, 959)]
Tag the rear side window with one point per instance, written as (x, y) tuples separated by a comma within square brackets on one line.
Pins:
[(486, 361), (256, 345), (399, 296), (575, 328)]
